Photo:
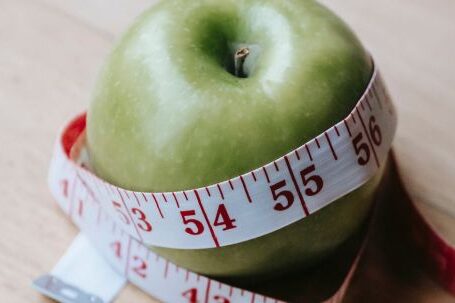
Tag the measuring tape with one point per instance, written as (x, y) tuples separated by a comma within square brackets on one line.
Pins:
[(254, 204), (121, 224)]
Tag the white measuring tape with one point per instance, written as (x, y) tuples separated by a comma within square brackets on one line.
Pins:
[(122, 223), (254, 204)]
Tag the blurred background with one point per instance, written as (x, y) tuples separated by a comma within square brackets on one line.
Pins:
[(51, 51)]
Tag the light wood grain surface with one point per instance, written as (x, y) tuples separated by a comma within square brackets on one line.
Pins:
[(51, 50)]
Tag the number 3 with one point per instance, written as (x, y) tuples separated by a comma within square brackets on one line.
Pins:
[(143, 224)]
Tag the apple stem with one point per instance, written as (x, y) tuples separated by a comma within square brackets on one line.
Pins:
[(239, 60)]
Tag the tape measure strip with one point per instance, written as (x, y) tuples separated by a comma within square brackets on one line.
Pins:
[(171, 283), (145, 269), (259, 202), (133, 260), (111, 242), (78, 192)]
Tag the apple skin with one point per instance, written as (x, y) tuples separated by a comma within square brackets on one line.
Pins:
[(168, 114)]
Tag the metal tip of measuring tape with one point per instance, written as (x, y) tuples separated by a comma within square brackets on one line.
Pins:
[(60, 291)]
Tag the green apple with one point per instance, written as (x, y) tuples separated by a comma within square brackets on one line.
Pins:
[(197, 92)]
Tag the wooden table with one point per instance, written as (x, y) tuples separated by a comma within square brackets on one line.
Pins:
[(50, 51)]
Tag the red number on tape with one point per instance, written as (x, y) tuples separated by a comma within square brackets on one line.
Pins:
[(64, 184), (360, 147), (143, 224), (221, 299), (117, 247), (222, 218), (375, 131), (315, 179), (307, 179), (141, 268), (191, 295), (198, 226), (80, 209), (285, 193), (119, 209)]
